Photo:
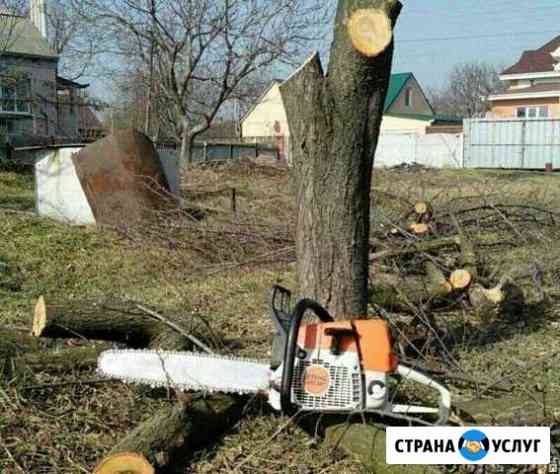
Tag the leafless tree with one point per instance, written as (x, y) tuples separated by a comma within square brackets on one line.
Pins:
[(465, 93), (74, 38), (11, 12), (203, 50)]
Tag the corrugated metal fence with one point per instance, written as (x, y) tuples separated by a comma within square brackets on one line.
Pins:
[(512, 143), (210, 152)]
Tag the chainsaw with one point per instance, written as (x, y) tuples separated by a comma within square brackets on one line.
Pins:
[(318, 365)]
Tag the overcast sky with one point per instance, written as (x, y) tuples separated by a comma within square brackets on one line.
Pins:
[(433, 35)]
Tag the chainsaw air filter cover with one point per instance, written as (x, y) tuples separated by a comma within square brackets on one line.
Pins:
[(342, 365)]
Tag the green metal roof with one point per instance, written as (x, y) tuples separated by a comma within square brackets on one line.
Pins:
[(23, 38), (396, 85)]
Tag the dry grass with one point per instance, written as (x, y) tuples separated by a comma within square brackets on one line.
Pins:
[(220, 269)]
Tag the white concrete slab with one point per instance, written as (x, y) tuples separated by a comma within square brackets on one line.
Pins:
[(58, 192)]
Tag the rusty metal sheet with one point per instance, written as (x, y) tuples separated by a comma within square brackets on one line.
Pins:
[(122, 177)]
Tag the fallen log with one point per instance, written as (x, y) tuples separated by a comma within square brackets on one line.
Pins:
[(480, 297), (115, 321), (468, 254), (65, 360), (405, 293), (366, 443), (125, 462), (516, 411), (424, 212), (419, 228), (416, 247), (181, 427), (460, 279)]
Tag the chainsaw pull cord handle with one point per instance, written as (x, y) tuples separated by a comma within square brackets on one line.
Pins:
[(291, 347)]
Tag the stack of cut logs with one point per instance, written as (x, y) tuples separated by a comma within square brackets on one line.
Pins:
[(432, 283)]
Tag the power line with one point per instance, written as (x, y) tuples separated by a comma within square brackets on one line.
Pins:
[(494, 35)]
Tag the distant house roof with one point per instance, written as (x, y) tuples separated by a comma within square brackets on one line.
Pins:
[(551, 89), (539, 60), (62, 83), (218, 130), (396, 85), (23, 38)]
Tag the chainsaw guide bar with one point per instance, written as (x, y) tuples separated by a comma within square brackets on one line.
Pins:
[(186, 371)]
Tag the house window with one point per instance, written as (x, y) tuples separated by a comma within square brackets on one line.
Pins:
[(7, 126), (408, 98), (532, 112), (15, 96)]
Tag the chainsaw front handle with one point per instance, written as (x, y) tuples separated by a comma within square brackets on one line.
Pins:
[(291, 346), (444, 401)]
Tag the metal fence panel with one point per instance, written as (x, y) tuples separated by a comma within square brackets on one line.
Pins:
[(439, 150), (511, 143), (211, 152)]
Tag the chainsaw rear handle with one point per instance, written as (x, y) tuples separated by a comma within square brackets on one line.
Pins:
[(291, 347)]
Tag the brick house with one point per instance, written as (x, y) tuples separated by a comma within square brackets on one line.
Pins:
[(35, 101), (533, 85)]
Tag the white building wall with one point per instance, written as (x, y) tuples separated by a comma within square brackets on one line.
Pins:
[(403, 125), (268, 118)]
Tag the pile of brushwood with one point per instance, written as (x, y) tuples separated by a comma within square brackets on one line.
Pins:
[(427, 262), (431, 261)]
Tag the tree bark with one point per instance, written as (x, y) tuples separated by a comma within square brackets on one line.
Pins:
[(334, 122), (416, 247), (178, 428), (115, 321), (185, 157), (405, 293), (532, 409), (65, 360), (366, 443)]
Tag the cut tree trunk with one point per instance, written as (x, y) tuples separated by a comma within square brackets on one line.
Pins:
[(366, 443), (108, 321), (65, 360), (460, 279), (179, 428), (420, 229), (334, 121), (130, 463), (533, 409), (424, 212), (406, 293), (468, 254)]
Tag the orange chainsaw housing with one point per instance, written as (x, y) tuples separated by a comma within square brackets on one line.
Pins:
[(372, 341)]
